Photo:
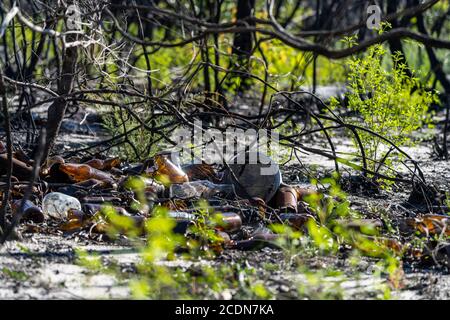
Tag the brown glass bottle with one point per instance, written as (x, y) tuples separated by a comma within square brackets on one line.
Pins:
[(286, 199), (138, 226), (45, 169), (76, 219), (166, 168), (228, 221), (430, 224), (82, 172)]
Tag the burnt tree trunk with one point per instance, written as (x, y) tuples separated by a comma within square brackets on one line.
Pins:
[(9, 162), (243, 41), (439, 72), (58, 108), (395, 45)]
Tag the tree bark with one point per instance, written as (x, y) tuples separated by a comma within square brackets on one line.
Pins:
[(438, 70), (8, 164), (395, 45), (243, 42), (57, 109)]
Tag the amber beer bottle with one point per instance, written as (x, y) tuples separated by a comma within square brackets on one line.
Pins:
[(432, 224), (304, 192), (167, 168), (228, 221), (138, 226), (82, 172), (45, 169), (76, 219), (286, 199)]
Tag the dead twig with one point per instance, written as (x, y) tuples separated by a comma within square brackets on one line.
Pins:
[(36, 167), (10, 153)]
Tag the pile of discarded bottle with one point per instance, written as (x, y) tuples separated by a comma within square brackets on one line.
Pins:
[(72, 194)]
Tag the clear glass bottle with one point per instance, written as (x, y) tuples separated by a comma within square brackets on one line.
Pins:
[(200, 189)]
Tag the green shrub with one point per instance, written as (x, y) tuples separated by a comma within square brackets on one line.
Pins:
[(386, 101)]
